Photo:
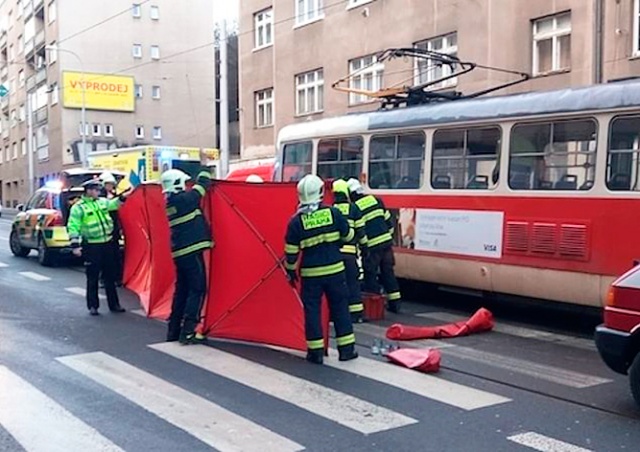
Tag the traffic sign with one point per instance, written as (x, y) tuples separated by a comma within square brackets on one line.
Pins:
[(3, 91)]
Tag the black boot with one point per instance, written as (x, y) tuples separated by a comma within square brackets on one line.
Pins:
[(347, 353), (315, 356), (192, 338), (394, 306)]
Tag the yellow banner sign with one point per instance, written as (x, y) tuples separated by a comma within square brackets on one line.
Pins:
[(102, 92)]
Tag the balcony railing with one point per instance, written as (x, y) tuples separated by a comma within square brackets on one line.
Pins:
[(41, 76), (41, 115), (39, 38), (28, 9)]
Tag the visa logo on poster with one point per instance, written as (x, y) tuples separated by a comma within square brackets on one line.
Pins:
[(462, 232)]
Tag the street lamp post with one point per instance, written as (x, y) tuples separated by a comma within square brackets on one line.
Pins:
[(83, 119)]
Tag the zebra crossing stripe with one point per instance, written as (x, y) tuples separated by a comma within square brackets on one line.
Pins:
[(35, 276), (346, 410), (543, 443), (220, 428), (3, 265), (39, 423)]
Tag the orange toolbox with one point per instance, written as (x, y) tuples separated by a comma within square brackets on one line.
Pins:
[(374, 306)]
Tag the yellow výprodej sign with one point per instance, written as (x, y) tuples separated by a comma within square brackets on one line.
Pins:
[(102, 91)]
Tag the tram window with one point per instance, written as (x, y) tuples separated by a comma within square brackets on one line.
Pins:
[(297, 161), (340, 158), (553, 156), (396, 161), (466, 159), (623, 159)]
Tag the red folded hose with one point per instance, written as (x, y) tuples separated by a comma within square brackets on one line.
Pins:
[(479, 322)]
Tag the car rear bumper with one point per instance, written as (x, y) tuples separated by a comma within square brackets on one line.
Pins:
[(614, 347)]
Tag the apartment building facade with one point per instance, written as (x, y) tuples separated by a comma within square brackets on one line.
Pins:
[(149, 73), (292, 51)]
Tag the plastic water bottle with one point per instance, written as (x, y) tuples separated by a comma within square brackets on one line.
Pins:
[(375, 348)]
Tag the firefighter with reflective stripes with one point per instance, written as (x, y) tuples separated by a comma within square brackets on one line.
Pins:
[(350, 249), (379, 229), (190, 238), (90, 230), (318, 232)]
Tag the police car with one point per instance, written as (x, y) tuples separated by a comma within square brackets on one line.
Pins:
[(41, 223)]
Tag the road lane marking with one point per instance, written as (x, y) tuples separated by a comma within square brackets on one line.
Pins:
[(424, 385), (82, 292), (346, 410), (543, 443), (201, 418), (39, 423), (3, 265), (519, 331), (35, 276), (540, 371)]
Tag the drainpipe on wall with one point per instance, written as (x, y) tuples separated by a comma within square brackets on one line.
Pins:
[(597, 51)]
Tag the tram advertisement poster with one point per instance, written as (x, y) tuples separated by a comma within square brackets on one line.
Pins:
[(462, 232)]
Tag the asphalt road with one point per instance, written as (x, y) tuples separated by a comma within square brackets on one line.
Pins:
[(71, 382)]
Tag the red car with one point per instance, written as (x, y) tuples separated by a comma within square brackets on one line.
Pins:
[(618, 338)]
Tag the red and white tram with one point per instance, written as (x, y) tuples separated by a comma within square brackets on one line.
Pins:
[(535, 194)]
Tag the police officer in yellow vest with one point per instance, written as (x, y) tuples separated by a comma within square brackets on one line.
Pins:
[(90, 229), (318, 232), (350, 250), (190, 238)]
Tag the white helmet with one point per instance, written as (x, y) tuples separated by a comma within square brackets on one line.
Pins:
[(355, 186), (254, 179), (173, 181), (310, 190), (107, 178)]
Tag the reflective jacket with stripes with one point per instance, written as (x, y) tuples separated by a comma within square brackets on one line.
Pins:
[(377, 220), (319, 235), (190, 232), (354, 217), (90, 222)]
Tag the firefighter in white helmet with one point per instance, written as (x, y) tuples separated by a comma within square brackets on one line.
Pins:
[(318, 232), (190, 238), (254, 178), (109, 184), (379, 260)]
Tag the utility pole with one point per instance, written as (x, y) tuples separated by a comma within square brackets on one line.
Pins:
[(30, 147), (224, 103)]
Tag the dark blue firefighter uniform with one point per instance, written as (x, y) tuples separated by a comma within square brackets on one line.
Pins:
[(350, 253), (319, 235), (190, 237), (379, 230)]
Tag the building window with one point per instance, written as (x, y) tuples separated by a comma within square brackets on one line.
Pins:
[(55, 94), (309, 92), (263, 28), (21, 79), (356, 3), (53, 53), (396, 161), (340, 158), (155, 12), (15, 151), (428, 70), (623, 171), (296, 161), (553, 155), (552, 44), (20, 9), (20, 44), (466, 158), (264, 108), (85, 131), (139, 131), (155, 92), (136, 10), (137, 50), (23, 146), (366, 74), (53, 13), (12, 53), (308, 11), (14, 118), (22, 113), (108, 130), (155, 52), (139, 91), (95, 130), (157, 133), (636, 27)]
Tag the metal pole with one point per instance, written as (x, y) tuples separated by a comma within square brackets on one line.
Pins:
[(84, 157), (30, 142), (224, 104)]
